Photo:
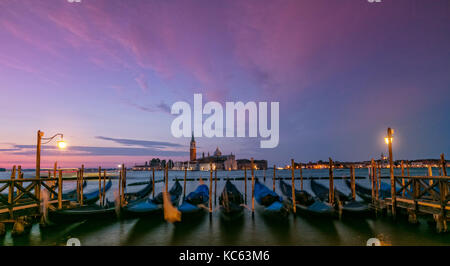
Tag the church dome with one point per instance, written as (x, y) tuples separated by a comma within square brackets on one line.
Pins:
[(217, 152)]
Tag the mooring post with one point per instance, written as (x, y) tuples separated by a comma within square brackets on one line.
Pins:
[(264, 175), (78, 185), (379, 179), (301, 176), (153, 181), (81, 186), (20, 175), (167, 178), (430, 182), (403, 179), (372, 175), (184, 184), (331, 181), (11, 192), (245, 184), (210, 187), (391, 171), (100, 184), (120, 186), (52, 196), (274, 176), (104, 188), (124, 183), (253, 186), (408, 166), (215, 186), (352, 181), (444, 191), (60, 189), (294, 206)]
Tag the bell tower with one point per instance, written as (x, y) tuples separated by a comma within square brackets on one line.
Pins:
[(193, 150)]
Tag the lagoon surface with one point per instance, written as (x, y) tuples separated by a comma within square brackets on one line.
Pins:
[(257, 231)]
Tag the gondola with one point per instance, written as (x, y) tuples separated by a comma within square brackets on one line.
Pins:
[(231, 202), (91, 197), (84, 212), (361, 191), (348, 205), (196, 201), (366, 193), (144, 192), (306, 203), (91, 211), (270, 200), (147, 206)]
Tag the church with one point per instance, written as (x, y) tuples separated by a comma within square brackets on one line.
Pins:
[(217, 160)]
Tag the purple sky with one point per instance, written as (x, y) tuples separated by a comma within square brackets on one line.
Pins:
[(105, 73)]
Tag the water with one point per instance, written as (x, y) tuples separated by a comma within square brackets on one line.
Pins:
[(257, 231)]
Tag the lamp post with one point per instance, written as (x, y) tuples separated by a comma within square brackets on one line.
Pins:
[(388, 141), (40, 137)]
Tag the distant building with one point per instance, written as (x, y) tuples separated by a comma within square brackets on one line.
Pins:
[(193, 149), (247, 164)]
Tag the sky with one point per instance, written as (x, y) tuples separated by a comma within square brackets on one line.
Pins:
[(105, 73)]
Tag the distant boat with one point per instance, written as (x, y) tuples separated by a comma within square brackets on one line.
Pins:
[(2, 169), (148, 206), (231, 202), (306, 203), (270, 200), (196, 201)]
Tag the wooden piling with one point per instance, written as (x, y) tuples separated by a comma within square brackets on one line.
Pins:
[(294, 206), (372, 179), (20, 175), (11, 192), (55, 166), (264, 175), (124, 183), (78, 185), (184, 185), (443, 187), (274, 176), (403, 179), (408, 166), (210, 187), (430, 182), (215, 186), (253, 186), (301, 176), (81, 184), (331, 183), (378, 183), (60, 190), (167, 178), (153, 181), (352, 181), (120, 186), (100, 184), (104, 188), (245, 184)]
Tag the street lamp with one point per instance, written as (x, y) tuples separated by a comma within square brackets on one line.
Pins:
[(40, 137), (388, 141)]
